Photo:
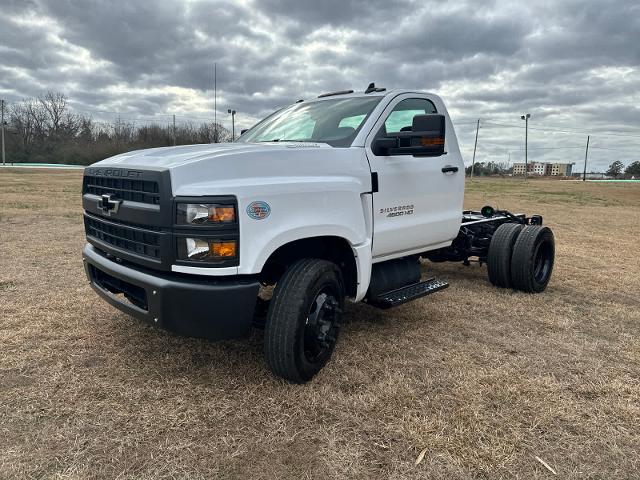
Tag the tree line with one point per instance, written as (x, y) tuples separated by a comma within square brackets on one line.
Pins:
[(615, 170), (483, 169), (45, 130), (618, 170)]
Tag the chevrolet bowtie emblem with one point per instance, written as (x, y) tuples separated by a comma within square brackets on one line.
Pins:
[(108, 204)]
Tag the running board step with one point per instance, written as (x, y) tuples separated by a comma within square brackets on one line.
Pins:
[(408, 293)]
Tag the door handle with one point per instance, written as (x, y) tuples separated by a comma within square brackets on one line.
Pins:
[(449, 168)]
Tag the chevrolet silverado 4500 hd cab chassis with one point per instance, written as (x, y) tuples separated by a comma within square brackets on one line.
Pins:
[(337, 197)]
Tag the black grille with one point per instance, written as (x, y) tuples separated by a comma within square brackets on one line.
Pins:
[(144, 191), (140, 241)]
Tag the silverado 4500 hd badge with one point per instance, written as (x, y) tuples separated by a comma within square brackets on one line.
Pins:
[(258, 210), (397, 211)]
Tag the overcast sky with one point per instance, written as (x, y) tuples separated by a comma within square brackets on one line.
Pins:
[(573, 65)]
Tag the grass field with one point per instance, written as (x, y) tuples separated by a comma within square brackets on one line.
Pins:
[(481, 380)]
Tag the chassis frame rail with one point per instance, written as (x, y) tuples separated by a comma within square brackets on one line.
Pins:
[(476, 230)]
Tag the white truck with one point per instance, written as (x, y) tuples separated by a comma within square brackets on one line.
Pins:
[(329, 199)]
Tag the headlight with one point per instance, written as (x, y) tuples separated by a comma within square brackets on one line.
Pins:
[(205, 213), (206, 250)]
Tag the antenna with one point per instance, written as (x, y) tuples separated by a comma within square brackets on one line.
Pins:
[(215, 102), (372, 88)]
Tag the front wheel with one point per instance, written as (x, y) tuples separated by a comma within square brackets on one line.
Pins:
[(304, 319)]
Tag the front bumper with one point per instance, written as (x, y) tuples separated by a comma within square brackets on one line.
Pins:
[(212, 308)]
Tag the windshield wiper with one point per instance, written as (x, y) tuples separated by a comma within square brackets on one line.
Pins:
[(285, 140)]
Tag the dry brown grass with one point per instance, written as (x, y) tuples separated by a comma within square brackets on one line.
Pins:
[(484, 379)]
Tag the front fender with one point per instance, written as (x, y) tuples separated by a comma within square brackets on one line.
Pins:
[(335, 209), (361, 252)]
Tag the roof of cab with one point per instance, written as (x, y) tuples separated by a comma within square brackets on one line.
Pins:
[(394, 92)]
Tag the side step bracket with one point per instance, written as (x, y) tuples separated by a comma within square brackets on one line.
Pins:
[(408, 293)]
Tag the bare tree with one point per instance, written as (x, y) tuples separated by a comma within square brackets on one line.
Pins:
[(22, 123), (86, 130), (55, 105), (38, 117), (213, 133)]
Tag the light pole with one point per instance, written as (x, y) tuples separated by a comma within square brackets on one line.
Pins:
[(586, 154), (2, 126), (475, 145), (526, 141), (233, 124)]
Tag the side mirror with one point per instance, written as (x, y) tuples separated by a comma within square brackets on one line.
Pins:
[(243, 130), (426, 138)]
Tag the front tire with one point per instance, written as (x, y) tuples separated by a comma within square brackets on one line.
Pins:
[(303, 321)]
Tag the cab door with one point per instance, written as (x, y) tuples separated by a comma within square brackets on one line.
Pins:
[(418, 205)]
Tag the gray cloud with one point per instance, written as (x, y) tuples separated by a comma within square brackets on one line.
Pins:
[(571, 64)]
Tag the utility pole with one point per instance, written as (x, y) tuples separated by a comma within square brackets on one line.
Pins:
[(526, 143), (473, 162), (586, 153), (174, 130), (4, 161), (233, 124), (215, 102)]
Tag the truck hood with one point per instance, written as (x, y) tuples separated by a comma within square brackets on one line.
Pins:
[(238, 168), (170, 157)]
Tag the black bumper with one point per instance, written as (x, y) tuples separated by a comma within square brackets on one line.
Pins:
[(211, 308)]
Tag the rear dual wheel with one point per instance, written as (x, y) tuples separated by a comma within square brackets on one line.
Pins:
[(521, 257), (500, 253), (532, 259)]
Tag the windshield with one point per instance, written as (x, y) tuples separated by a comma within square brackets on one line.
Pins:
[(336, 122)]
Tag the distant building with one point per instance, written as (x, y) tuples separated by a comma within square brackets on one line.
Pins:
[(592, 176), (518, 169), (561, 169), (543, 168), (538, 168)]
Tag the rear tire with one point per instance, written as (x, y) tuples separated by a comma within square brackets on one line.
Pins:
[(500, 253), (304, 319), (532, 260)]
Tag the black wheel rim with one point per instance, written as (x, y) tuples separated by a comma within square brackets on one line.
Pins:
[(322, 325), (542, 263)]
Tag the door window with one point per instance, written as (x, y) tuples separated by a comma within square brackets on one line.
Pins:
[(401, 118)]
